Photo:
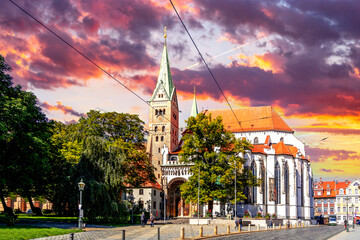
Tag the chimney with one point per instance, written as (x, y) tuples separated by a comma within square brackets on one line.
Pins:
[(321, 180), (336, 181), (346, 181)]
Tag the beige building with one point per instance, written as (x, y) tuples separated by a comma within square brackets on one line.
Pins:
[(347, 202), (149, 198)]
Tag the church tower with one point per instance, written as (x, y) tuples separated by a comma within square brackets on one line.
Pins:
[(164, 115)]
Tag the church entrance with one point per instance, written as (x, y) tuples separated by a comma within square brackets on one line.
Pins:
[(176, 206)]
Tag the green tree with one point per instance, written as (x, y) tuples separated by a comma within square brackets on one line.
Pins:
[(24, 137), (108, 151), (214, 152)]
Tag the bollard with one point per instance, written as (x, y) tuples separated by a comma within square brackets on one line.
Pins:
[(158, 233), (258, 227), (201, 231), (123, 235), (266, 227), (295, 225), (303, 225), (228, 229), (249, 228), (215, 230), (273, 227), (71, 236), (182, 233), (239, 228), (280, 226)]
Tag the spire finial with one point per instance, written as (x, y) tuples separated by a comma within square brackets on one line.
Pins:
[(165, 33), (194, 89)]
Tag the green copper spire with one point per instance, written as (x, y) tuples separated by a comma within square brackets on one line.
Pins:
[(194, 109), (165, 78)]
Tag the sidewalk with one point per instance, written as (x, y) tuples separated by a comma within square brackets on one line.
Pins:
[(351, 235)]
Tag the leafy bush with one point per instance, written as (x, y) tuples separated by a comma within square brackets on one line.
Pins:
[(267, 215), (259, 215), (273, 216), (10, 219), (246, 214)]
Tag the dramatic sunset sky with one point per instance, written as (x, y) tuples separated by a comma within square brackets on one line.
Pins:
[(301, 56)]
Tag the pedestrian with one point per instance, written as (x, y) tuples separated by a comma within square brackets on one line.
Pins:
[(152, 220), (240, 223), (345, 223), (270, 222), (288, 223), (299, 222), (142, 218), (236, 223)]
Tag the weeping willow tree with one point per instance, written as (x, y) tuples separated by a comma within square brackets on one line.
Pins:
[(108, 153)]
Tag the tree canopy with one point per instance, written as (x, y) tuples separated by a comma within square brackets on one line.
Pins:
[(214, 152), (24, 137)]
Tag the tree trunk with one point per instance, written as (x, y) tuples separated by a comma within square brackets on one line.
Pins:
[(34, 209), (6, 208)]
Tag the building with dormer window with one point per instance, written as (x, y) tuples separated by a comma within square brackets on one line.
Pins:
[(278, 158)]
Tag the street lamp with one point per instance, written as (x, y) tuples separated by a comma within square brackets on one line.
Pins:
[(81, 185), (352, 207), (347, 214)]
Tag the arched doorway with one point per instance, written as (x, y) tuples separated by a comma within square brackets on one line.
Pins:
[(176, 206)]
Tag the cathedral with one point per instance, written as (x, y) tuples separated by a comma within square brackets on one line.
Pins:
[(278, 158)]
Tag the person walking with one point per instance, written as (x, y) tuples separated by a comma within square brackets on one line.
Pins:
[(240, 223), (288, 223), (236, 223), (270, 222), (345, 223), (142, 218), (152, 220)]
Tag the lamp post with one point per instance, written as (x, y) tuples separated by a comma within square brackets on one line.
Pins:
[(235, 193), (81, 185), (198, 214), (347, 213), (165, 183), (352, 207)]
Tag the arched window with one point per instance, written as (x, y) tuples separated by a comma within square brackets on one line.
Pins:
[(356, 191), (156, 112), (155, 128), (253, 189), (164, 111), (341, 191), (157, 139), (302, 185), (277, 184), (286, 183), (256, 140), (282, 139), (262, 172), (160, 112), (162, 138), (163, 128)]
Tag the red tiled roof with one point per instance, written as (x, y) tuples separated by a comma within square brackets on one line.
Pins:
[(147, 185), (259, 148), (251, 118), (333, 187)]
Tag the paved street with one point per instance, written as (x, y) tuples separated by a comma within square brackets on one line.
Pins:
[(172, 231), (351, 235)]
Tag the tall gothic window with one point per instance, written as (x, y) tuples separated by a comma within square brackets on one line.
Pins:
[(302, 185), (156, 128), (256, 140), (163, 128), (253, 189), (156, 112), (277, 184), (262, 169), (286, 183), (164, 111), (160, 112), (157, 139), (282, 139)]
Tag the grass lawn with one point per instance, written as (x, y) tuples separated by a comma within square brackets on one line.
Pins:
[(28, 232), (48, 217)]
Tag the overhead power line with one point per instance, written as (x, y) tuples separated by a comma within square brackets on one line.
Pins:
[(86, 57), (203, 59)]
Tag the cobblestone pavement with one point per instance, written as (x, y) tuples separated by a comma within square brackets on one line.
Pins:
[(351, 235), (172, 231)]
